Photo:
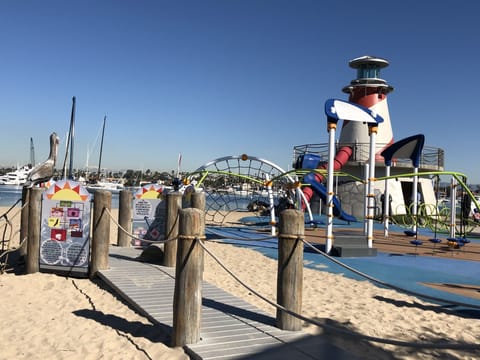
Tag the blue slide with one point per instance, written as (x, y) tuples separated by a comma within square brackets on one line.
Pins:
[(322, 192)]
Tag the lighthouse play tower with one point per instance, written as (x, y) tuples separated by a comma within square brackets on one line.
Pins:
[(370, 90)]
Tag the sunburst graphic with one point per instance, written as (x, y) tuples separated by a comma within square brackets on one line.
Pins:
[(152, 191), (67, 190)]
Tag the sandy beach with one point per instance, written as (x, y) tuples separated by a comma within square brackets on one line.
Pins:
[(50, 316), (45, 316)]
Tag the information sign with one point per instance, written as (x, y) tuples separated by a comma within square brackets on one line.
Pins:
[(65, 228), (149, 213)]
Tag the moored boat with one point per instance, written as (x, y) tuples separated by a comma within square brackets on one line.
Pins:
[(17, 177), (112, 186)]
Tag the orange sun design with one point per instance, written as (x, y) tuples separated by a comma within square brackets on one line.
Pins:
[(149, 192), (67, 193)]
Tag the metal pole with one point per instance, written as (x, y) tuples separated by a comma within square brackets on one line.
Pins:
[(331, 154), (373, 132), (415, 199), (386, 203), (453, 207), (271, 205), (365, 205)]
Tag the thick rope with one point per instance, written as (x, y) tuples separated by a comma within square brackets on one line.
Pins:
[(210, 230), (366, 276), (133, 236), (445, 345), (6, 238), (5, 253), (4, 216), (191, 237)]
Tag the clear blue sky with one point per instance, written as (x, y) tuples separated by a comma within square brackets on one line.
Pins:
[(214, 78)]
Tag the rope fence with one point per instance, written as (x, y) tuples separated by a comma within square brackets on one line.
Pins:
[(313, 248), (426, 345), (338, 330), (135, 237)]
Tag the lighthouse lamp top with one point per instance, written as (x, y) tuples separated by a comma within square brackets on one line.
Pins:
[(368, 67)]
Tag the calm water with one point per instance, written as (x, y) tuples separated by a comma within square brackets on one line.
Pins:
[(10, 194)]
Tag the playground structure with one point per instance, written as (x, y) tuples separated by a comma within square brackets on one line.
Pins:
[(370, 91), (407, 193), (258, 190), (341, 175), (409, 167)]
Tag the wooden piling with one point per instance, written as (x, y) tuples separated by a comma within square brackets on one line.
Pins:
[(24, 221), (197, 200), (32, 263), (124, 218), (174, 204), (101, 231), (290, 268), (187, 298)]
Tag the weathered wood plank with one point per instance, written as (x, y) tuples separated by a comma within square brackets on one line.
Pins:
[(230, 329)]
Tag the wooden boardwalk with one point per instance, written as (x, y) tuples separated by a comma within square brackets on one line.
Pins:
[(230, 329)]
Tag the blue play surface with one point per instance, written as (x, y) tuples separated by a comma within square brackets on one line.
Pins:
[(403, 271)]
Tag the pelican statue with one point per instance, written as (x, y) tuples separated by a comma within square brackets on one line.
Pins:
[(44, 171)]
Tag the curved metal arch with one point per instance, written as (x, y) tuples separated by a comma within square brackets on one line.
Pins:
[(244, 157)]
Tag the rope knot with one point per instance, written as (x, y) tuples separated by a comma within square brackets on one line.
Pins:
[(191, 237), (289, 236)]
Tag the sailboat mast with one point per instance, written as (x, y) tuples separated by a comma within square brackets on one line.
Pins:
[(69, 144), (101, 148), (32, 153), (72, 136)]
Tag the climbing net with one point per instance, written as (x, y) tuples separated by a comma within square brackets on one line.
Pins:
[(245, 188)]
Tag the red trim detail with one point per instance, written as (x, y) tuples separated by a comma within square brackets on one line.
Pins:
[(366, 97)]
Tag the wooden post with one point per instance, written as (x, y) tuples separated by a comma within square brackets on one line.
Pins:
[(101, 231), (24, 221), (174, 204), (32, 264), (187, 298), (124, 218), (198, 200), (290, 268)]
